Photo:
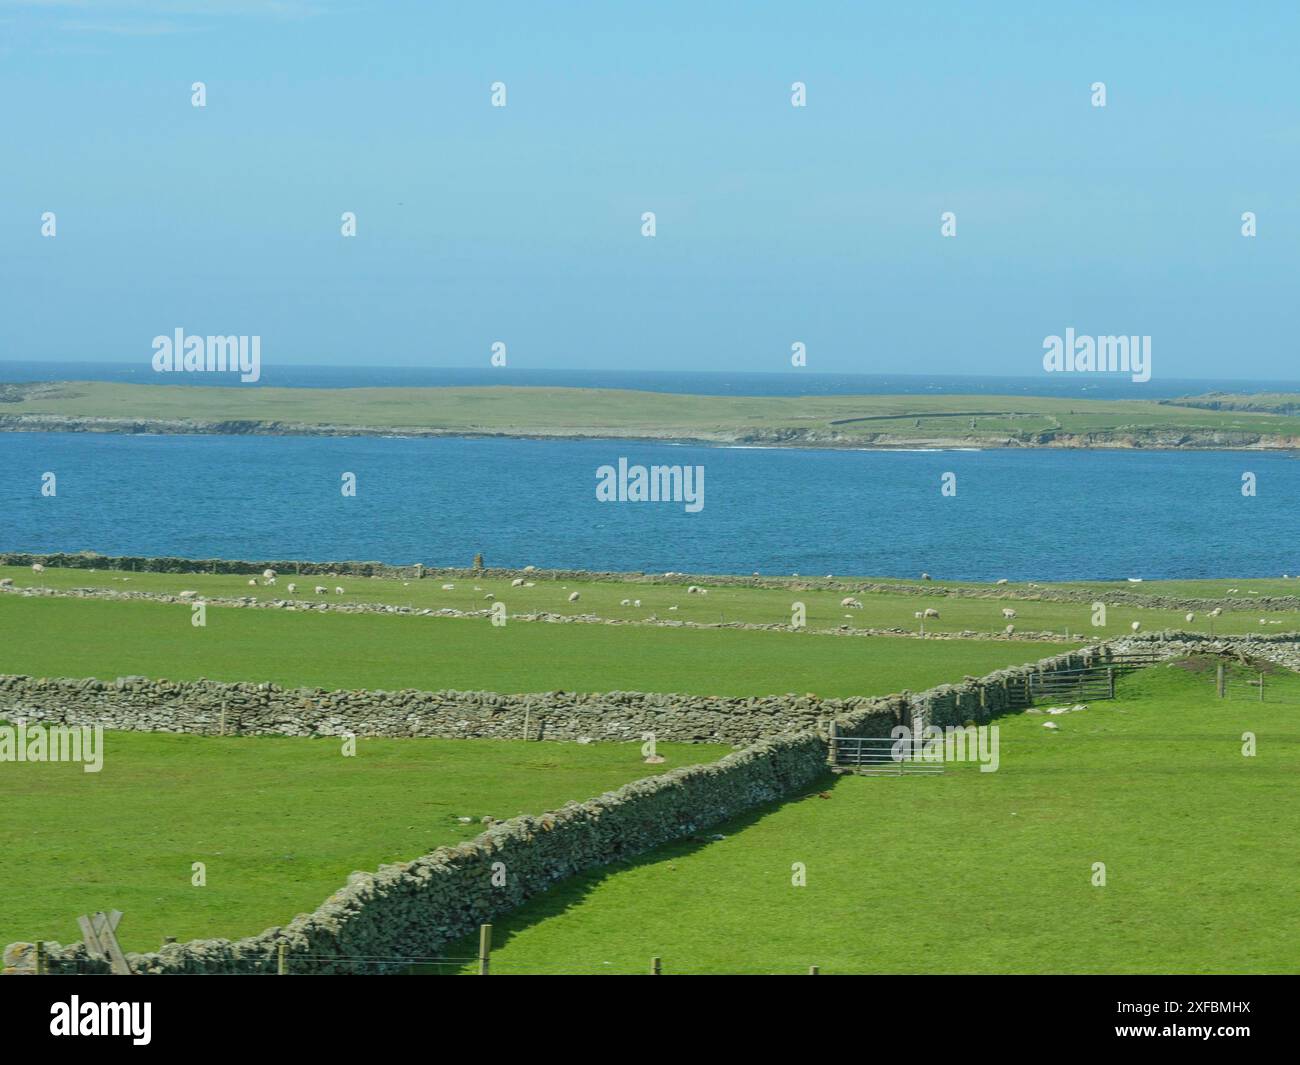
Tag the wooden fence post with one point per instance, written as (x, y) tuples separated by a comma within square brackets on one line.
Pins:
[(1110, 673), (812, 970), (656, 966), (42, 964), (1261, 687), (1219, 684), (833, 750), (484, 948), (282, 959)]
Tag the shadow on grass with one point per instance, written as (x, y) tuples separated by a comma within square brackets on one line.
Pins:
[(573, 891)]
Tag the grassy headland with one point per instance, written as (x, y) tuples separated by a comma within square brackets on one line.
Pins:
[(802, 421)]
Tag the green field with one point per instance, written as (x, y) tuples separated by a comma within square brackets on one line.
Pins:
[(808, 420), (57, 637), (670, 602), (983, 873), (278, 823)]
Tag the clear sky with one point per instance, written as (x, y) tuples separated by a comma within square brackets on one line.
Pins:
[(775, 224)]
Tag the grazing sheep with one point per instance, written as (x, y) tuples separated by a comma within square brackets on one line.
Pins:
[(187, 594), (625, 602), (672, 608), (1009, 629), (448, 587), (574, 596), (252, 582), (1008, 613), (1191, 617), (338, 590), (37, 568), (489, 596), (292, 588), (918, 614), (321, 589), (1000, 580), (930, 612), (1216, 611), (636, 602), (6, 582), (848, 600), (1135, 626), (268, 575), (518, 582), (693, 589), (925, 576)]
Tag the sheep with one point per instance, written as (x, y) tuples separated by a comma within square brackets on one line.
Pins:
[(1008, 613), (693, 589), (489, 596), (187, 594), (268, 575), (848, 600), (574, 596), (925, 576), (7, 582), (252, 582), (530, 584), (1135, 626), (636, 602), (1009, 629), (1216, 611), (930, 612), (448, 587), (292, 588), (37, 568), (1000, 580), (338, 590), (1190, 617), (518, 582), (625, 602), (321, 589)]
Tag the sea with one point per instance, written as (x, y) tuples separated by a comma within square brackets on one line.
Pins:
[(1033, 514)]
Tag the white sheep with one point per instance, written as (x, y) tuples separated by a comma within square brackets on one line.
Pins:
[(1000, 580), (1135, 626), (1190, 617), (252, 582), (1008, 613), (636, 602), (292, 588), (321, 589), (1010, 629), (489, 596), (6, 582), (268, 575), (448, 587), (848, 600), (930, 612), (574, 596), (625, 602), (518, 582), (1216, 611), (338, 590), (37, 568)]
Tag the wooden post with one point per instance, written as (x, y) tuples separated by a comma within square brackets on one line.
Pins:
[(1219, 684), (42, 963), (833, 751), (223, 717), (484, 948), (1110, 673), (527, 711), (812, 970), (1261, 687), (656, 966), (282, 959)]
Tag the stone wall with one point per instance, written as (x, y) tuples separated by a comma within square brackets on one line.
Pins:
[(139, 704), (416, 908)]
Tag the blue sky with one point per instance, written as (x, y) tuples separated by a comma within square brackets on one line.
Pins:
[(775, 224)]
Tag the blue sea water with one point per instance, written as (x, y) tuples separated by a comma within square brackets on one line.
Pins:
[(1031, 514)]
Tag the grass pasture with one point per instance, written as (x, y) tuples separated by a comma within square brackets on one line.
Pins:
[(278, 822), (983, 872), (59, 637), (722, 604)]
